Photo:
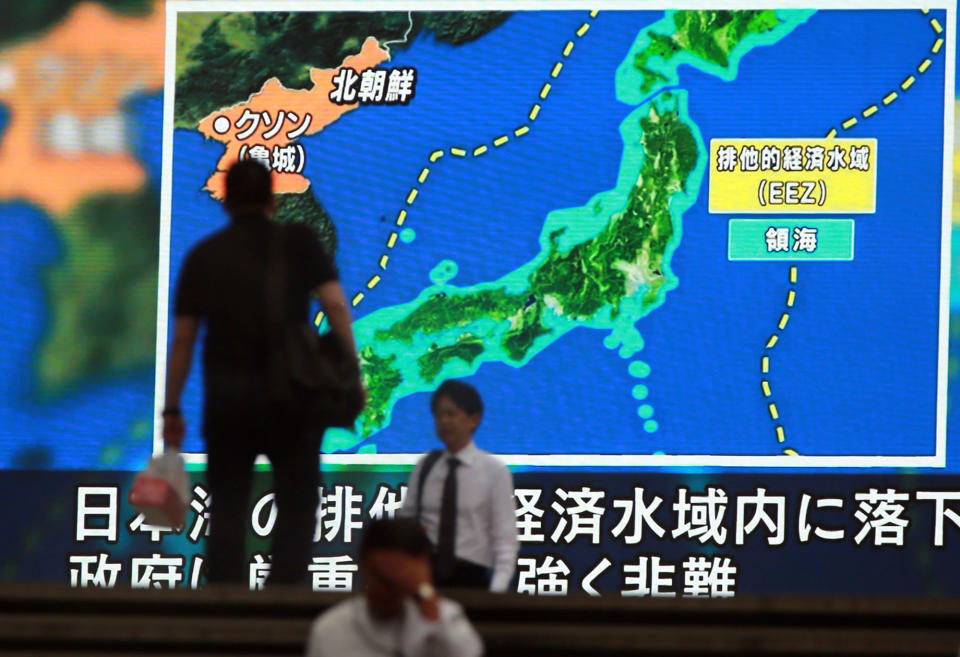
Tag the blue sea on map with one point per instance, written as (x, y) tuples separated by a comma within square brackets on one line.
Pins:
[(855, 372)]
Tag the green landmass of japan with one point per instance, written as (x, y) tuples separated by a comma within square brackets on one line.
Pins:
[(466, 348), (710, 35), (589, 282), (576, 284), (381, 378)]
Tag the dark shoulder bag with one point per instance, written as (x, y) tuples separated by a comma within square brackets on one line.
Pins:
[(317, 376)]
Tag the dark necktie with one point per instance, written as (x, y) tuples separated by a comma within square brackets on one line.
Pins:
[(447, 533)]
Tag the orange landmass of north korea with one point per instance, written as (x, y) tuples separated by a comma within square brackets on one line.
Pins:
[(65, 92), (274, 97)]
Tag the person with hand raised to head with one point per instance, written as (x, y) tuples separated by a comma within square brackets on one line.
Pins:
[(399, 611)]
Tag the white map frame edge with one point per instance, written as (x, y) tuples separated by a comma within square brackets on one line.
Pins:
[(938, 460)]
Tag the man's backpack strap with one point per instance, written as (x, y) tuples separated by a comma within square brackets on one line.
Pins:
[(428, 462)]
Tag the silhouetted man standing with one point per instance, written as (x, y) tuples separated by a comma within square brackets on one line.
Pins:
[(223, 284)]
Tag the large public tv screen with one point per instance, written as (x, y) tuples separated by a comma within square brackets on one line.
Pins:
[(703, 237), (697, 262)]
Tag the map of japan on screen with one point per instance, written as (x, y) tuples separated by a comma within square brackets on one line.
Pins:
[(716, 236)]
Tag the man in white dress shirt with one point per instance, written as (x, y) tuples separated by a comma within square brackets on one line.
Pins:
[(399, 613), (463, 497)]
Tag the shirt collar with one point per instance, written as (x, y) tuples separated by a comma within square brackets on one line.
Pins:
[(467, 455)]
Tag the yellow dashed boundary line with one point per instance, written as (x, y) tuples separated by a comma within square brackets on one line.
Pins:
[(765, 360), (791, 294), (457, 151), (906, 84)]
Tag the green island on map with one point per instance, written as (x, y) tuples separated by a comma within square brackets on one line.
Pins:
[(708, 35), (607, 275)]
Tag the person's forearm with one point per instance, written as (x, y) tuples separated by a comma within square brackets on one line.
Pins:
[(340, 323), (504, 563), (450, 635), (178, 367), (506, 543)]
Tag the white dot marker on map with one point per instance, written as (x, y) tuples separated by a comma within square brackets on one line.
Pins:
[(221, 125), (107, 134), (64, 134), (7, 77)]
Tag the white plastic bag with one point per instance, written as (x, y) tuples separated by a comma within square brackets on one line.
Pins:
[(160, 492)]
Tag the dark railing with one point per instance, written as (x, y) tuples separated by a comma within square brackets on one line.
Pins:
[(42, 620)]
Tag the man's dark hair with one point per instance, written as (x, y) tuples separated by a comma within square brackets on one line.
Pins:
[(402, 534), (249, 187), (464, 395)]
